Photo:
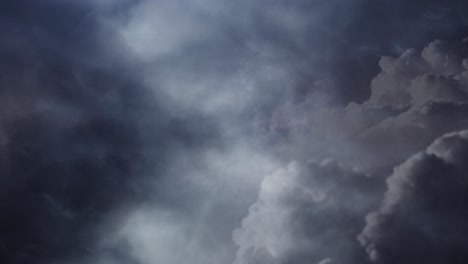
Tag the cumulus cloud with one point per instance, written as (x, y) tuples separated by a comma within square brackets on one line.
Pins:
[(307, 213), (414, 99), (423, 215), (407, 109), (126, 125), (415, 78)]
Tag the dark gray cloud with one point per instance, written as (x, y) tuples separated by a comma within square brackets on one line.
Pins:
[(123, 118), (423, 215), (407, 108), (414, 99), (74, 132)]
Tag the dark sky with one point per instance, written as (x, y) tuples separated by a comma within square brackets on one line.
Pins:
[(156, 131)]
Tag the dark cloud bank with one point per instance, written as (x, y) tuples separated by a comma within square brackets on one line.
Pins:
[(207, 132)]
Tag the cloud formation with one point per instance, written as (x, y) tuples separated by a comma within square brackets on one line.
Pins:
[(423, 215), (314, 213), (127, 124), (407, 109), (307, 213)]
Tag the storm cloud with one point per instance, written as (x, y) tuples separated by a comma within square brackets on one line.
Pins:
[(142, 131), (307, 213), (423, 214), (311, 212)]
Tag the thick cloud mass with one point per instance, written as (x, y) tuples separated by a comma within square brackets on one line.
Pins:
[(307, 213), (141, 131), (408, 107), (437, 72), (415, 98), (423, 217), (71, 130)]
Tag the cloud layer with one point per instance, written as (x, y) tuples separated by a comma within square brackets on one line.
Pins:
[(313, 212), (140, 131)]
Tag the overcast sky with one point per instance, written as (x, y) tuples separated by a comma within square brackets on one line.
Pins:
[(233, 132)]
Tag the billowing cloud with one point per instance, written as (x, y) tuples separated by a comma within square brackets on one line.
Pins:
[(416, 78), (127, 124), (416, 98), (423, 215), (307, 213), (407, 109)]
